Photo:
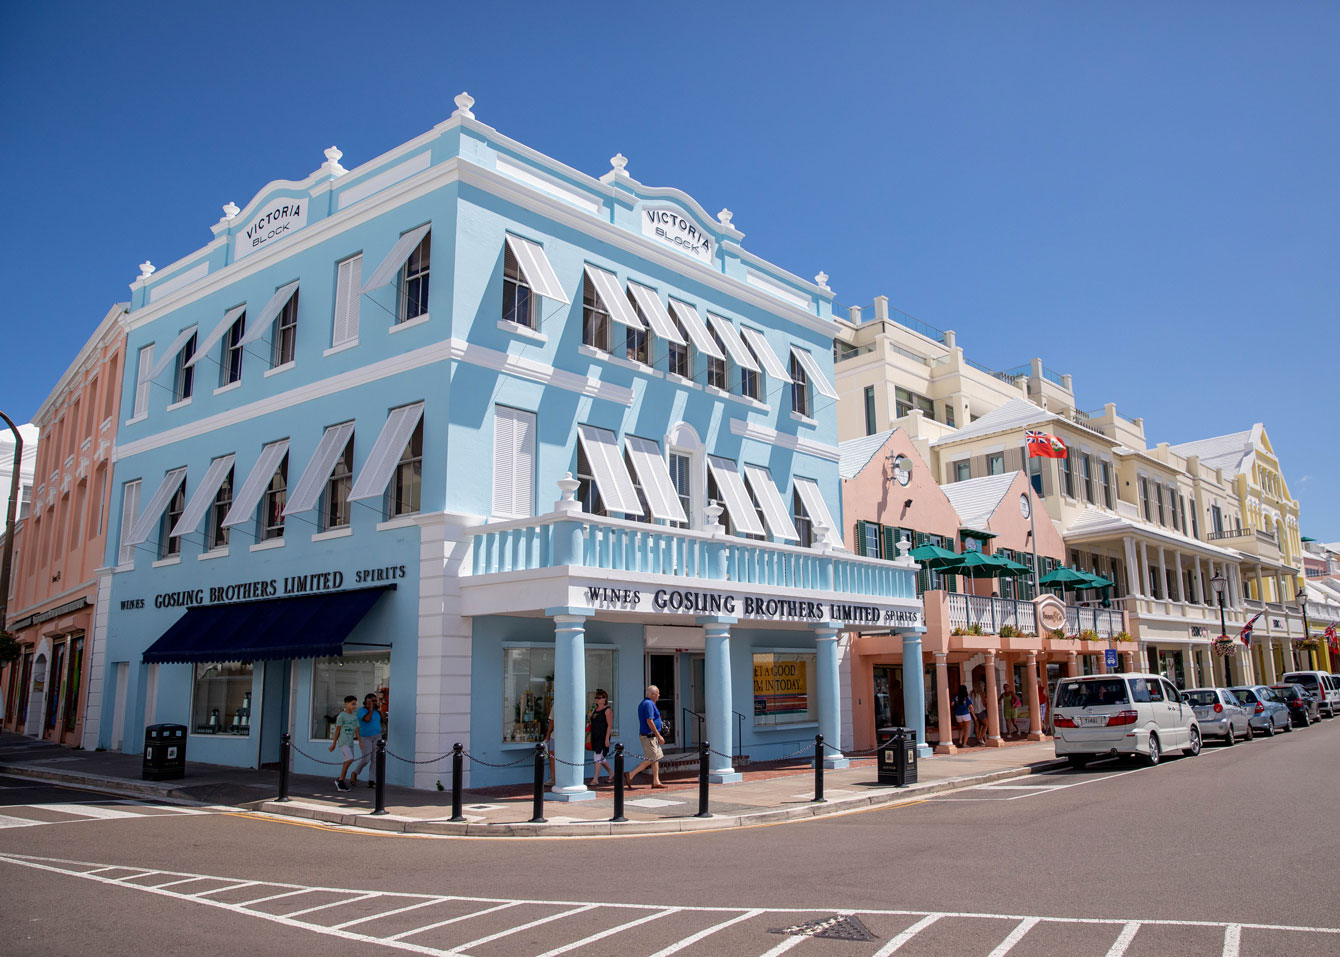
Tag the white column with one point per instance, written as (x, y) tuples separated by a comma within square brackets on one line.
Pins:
[(1132, 566), (1163, 574), (1235, 582), (1200, 582), (719, 701), (830, 694), (914, 689), (569, 704), (1144, 569), (1181, 582)]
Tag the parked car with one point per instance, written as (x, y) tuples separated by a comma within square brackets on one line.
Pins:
[(1303, 708), (1320, 685), (1269, 712), (1220, 714), (1099, 715)]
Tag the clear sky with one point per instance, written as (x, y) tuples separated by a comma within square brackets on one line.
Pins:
[(1145, 195)]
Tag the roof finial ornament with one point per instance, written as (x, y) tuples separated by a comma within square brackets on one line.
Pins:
[(230, 210), (332, 164), (821, 280), (617, 162), (146, 269), (463, 103), (725, 216)]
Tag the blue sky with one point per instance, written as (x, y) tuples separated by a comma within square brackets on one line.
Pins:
[(1145, 195)]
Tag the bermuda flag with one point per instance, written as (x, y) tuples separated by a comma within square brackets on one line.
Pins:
[(1043, 445), (1246, 633)]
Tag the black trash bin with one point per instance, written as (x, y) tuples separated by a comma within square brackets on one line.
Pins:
[(164, 752), (897, 757)]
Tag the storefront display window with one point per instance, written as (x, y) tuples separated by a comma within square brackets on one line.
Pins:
[(333, 678), (222, 698), (782, 689), (528, 688)]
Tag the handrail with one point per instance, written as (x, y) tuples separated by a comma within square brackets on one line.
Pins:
[(701, 720)]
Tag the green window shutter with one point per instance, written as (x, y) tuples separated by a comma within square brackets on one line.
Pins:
[(860, 536), (891, 539)]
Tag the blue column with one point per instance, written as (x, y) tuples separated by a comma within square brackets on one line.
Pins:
[(829, 688), (719, 703), (570, 704), (914, 689)]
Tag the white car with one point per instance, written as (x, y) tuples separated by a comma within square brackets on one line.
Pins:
[(1320, 685), (1100, 715)]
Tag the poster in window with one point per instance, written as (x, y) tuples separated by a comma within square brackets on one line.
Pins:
[(781, 690)]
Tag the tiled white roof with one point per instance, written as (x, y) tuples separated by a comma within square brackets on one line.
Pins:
[(855, 454), (1224, 452), (976, 500), (1015, 414)]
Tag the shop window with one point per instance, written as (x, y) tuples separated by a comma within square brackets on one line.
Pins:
[(414, 282), (782, 693), (800, 389), (518, 301), (183, 380), (221, 698), (335, 499), (285, 336), (595, 320), (216, 535), (230, 368), (272, 505), (403, 496), (169, 544), (528, 688), (335, 678)]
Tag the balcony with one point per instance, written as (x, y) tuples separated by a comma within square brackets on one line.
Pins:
[(1258, 534), (989, 615)]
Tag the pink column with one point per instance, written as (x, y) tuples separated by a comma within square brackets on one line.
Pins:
[(946, 745), (1034, 709), (993, 739)]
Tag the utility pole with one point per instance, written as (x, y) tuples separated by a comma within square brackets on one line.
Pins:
[(15, 488)]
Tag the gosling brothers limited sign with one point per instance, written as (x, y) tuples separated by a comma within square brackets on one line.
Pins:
[(669, 226), (681, 601), (274, 220)]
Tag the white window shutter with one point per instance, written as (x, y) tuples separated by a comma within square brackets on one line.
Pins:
[(513, 462), (143, 380), (386, 451), (130, 510), (348, 282)]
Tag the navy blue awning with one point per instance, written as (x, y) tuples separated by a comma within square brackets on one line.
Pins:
[(309, 626)]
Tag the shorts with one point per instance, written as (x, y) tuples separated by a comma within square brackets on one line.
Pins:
[(652, 748), (348, 752), (601, 757), (963, 718)]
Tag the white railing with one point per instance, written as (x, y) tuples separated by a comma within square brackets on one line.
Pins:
[(990, 614)]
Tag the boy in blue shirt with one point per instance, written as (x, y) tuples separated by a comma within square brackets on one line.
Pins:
[(346, 733)]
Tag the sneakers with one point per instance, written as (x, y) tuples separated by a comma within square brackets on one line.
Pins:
[(372, 784), (340, 785)]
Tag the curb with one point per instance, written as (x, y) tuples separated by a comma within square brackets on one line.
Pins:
[(412, 825), (122, 787)]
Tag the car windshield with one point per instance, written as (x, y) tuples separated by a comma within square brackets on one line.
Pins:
[(1285, 694), (1085, 694), (1307, 681), (1200, 697), (1245, 695)]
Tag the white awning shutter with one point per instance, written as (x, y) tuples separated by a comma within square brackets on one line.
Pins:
[(534, 266), (775, 512), (308, 490), (169, 354), (386, 270), (771, 364), (261, 325), (513, 462), (693, 325), (730, 337), (817, 508), (386, 452), (612, 298), (215, 334), (249, 495), (735, 496), (130, 504), (348, 280), (817, 377), (608, 469), (654, 476), (144, 525), (654, 310), (204, 495)]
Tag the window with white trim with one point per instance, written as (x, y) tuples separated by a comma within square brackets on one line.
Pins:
[(995, 463), (335, 507), (718, 370), (1105, 468), (406, 487), (588, 493), (130, 510), (962, 471), (348, 286), (1086, 473), (183, 379), (799, 517), (595, 320), (518, 302), (230, 368), (681, 476), (414, 282), (679, 358), (142, 383), (284, 338), (216, 533), (273, 502), (169, 545), (800, 391)]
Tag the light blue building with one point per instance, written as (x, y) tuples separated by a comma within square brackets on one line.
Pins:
[(482, 432)]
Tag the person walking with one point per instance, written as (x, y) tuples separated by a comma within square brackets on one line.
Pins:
[(979, 712), (369, 730), (346, 736), (1009, 705), (962, 706), (599, 729), (649, 726)]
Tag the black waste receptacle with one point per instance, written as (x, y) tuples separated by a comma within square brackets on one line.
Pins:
[(897, 759), (164, 752)]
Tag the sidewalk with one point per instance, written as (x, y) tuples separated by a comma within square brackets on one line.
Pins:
[(768, 794)]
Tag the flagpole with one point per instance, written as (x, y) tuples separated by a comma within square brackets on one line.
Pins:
[(1032, 527)]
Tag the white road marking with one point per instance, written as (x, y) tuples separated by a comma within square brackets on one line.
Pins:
[(694, 938), (231, 887), (272, 897), (7, 821), (453, 920), (527, 926), (338, 903), (1232, 940), (897, 942), (1016, 935), (88, 810), (786, 945), (387, 913), (1124, 939), (610, 932), (1022, 787)]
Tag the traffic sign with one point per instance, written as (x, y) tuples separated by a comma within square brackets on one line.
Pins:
[(1110, 657)]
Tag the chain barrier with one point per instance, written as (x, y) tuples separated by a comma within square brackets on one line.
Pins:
[(424, 761), (488, 764), (334, 764)]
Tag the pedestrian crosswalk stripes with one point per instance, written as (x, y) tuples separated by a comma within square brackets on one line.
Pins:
[(417, 922), (34, 815)]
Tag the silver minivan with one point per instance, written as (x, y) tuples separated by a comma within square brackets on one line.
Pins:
[(1320, 685), (1099, 715)]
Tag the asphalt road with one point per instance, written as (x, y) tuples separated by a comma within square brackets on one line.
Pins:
[(1226, 853)]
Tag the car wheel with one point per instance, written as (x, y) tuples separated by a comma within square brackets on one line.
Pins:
[(1193, 748), (1078, 761), (1231, 738), (1270, 728), (1307, 720), (1289, 727), (1153, 757), (1250, 733)]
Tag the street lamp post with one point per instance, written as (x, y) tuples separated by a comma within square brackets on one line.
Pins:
[(12, 515), (1302, 607), (1220, 584)]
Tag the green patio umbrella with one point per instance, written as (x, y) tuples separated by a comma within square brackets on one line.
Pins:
[(933, 556), (978, 565), (1064, 577), (1095, 581), (1012, 568)]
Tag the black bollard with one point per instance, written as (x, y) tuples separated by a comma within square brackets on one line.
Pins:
[(819, 769), (380, 762), (537, 807), (702, 781), (618, 786), (457, 772), (285, 758)]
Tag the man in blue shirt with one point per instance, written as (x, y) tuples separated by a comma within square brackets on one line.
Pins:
[(649, 726), (369, 730)]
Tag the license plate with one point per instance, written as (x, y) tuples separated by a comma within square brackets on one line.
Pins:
[(1092, 721), (1202, 712)]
